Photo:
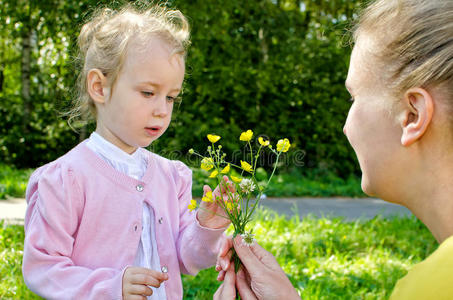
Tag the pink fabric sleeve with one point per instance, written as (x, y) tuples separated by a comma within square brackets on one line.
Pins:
[(197, 246), (55, 206)]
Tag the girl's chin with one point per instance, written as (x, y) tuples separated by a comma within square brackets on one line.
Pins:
[(366, 187)]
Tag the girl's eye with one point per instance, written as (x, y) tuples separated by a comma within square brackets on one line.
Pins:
[(147, 94), (351, 99), (171, 99)]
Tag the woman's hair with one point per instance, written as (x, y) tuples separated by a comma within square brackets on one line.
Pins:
[(412, 41), (104, 39)]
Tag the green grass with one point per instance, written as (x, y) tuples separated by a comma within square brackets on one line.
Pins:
[(13, 183), (325, 258)]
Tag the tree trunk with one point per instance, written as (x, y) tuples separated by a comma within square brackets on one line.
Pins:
[(25, 73)]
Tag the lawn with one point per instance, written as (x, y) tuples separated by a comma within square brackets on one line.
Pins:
[(13, 182), (325, 258)]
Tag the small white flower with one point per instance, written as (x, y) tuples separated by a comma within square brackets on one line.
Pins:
[(247, 238), (247, 186)]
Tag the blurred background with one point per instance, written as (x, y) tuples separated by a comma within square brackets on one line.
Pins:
[(275, 66)]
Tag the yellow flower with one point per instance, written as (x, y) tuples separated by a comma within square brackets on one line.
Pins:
[(263, 142), (283, 145), (229, 206), (207, 197), (207, 163), (226, 169), (192, 205), (246, 166), (236, 179), (246, 136), (213, 138), (214, 174)]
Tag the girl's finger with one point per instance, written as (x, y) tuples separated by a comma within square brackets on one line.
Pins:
[(227, 244), (221, 275), (224, 261), (206, 189), (141, 289)]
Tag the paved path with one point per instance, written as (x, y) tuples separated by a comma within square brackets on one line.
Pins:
[(349, 208)]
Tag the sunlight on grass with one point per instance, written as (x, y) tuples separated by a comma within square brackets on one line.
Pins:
[(325, 258)]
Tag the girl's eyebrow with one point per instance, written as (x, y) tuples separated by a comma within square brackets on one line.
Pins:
[(150, 83), (155, 84)]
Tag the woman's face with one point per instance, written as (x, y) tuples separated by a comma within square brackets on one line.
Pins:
[(370, 127)]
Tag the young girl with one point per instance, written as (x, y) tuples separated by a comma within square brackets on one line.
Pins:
[(109, 220)]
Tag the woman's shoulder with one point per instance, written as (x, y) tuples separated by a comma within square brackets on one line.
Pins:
[(429, 279)]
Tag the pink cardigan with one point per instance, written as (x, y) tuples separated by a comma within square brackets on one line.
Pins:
[(83, 226)]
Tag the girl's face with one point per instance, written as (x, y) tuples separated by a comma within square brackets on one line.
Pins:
[(370, 127), (137, 110)]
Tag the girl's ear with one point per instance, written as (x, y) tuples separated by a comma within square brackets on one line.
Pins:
[(417, 115), (96, 83)]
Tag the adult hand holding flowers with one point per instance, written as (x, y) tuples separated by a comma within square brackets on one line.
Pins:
[(260, 276)]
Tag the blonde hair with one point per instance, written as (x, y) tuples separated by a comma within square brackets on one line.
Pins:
[(103, 43), (413, 42)]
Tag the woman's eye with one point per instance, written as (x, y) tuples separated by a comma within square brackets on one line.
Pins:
[(147, 94)]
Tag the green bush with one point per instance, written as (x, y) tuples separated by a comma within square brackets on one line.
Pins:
[(13, 182), (324, 258), (276, 66)]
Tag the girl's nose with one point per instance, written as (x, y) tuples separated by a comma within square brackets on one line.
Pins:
[(161, 108)]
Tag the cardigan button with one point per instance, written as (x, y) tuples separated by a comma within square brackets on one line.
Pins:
[(161, 220), (164, 269), (139, 187)]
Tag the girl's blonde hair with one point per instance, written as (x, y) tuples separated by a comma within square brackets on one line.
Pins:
[(413, 41), (104, 39)]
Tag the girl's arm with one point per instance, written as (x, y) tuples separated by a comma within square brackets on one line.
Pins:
[(197, 246), (51, 224)]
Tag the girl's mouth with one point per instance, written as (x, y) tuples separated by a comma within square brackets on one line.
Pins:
[(153, 131)]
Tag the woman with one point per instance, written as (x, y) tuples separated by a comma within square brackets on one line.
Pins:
[(401, 127)]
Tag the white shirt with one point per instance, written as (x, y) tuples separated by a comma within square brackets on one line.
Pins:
[(133, 165)]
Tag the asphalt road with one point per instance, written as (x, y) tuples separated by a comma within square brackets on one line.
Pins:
[(349, 208)]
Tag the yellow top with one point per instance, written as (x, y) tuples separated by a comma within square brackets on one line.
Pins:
[(430, 279)]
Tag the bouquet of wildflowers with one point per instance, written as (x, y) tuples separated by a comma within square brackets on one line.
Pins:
[(241, 199)]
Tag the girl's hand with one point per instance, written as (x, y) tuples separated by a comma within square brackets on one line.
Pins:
[(210, 214), (224, 257), (136, 282)]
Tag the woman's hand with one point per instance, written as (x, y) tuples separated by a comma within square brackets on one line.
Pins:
[(211, 214), (261, 277), (227, 291)]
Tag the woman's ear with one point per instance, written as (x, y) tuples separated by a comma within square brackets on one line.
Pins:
[(96, 83), (417, 115)]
